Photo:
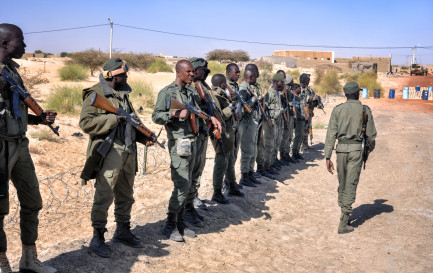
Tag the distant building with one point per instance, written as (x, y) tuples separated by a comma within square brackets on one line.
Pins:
[(383, 63), (307, 54)]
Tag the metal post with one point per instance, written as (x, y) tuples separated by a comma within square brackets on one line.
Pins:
[(111, 36)]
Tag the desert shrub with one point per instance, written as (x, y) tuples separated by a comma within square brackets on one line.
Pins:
[(31, 80), (295, 73), (318, 76), (44, 134), (65, 99), (73, 72), (93, 59), (265, 78), (369, 80), (64, 54), (350, 77), (404, 67), (227, 55), (329, 84), (216, 68), (38, 51), (159, 65), (137, 61), (142, 94)]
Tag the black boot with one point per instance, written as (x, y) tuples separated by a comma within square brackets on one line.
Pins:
[(268, 175), (276, 166), (97, 244), (288, 158), (245, 181), (253, 179), (124, 235), (182, 227), (199, 204), (191, 216), (234, 190), (219, 197), (298, 156), (170, 228)]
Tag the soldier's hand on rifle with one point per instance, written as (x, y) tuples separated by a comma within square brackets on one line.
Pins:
[(330, 166), (2, 82), (50, 116), (216, 123), (149, 142), (183, 114)]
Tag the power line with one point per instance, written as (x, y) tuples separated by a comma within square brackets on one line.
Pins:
[(64, 29), (235, 40)]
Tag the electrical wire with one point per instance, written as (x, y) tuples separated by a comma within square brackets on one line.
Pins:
[(64, 29)]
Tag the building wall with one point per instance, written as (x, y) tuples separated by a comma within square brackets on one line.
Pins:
[(307, 55), (383, 63)]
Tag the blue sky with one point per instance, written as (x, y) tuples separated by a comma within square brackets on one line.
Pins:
[(335, 23)]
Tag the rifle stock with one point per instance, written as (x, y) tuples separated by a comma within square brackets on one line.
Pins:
[(242, 101), (100, 102)]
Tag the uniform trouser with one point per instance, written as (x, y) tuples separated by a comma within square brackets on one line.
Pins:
[(21, 171), (307, 127), (181, 174), (299, 134), (287, 136), (248, 132), (115, 181), (237, 144), (268, 144), (279, 127), (224, 165), (200, 162), (348, 170), (260, 157)]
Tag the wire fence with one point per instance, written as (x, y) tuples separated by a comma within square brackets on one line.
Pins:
[(64, 192)]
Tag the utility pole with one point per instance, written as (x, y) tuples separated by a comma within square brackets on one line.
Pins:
[(111, 36), (413, 55)]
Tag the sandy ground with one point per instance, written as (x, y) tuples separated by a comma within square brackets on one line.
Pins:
[(281, 226)]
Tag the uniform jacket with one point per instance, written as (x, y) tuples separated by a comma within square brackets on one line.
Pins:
[(345, 125), (243, 91), (229, 136), (273, 102)]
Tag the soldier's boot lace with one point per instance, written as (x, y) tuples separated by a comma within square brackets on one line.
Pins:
[(30, 263), (124, 235), (170, 228), (97, 244), (344, 226), (5, 266), (182, 227)]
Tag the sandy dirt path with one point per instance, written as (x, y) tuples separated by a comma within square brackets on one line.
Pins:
[(288, 226)]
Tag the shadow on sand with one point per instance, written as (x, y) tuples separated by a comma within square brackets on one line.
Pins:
[(367, 211)]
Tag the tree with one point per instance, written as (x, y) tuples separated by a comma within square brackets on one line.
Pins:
[(223, 54), (91, 58)]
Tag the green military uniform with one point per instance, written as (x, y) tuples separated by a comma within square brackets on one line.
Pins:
[(248, 130), (260, 154), (115, 177), (235, 87), (224, 162), (17, 163), (345, 125), (298, 104), (181, 166), (288, 126), (272, 137), (308, 96)]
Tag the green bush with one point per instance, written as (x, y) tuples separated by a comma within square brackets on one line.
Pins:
[(350, 77), (91, 58), (64, 54), (159, 65), (73, 72), (66, 99), (369, 80), (329, 84), (138, 61), (227, 55), (265, 78), (142, 94), (295, 73), (216, 68)]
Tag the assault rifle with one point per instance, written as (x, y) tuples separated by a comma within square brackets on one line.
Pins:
[(100, 102), (173, 103), (210, 104), (261, 104), (320, 104), (364, 149), (28, 100), (240, 99), (286, 112)]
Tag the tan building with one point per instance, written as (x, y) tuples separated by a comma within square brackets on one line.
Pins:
[(307, 54), (383, 63)]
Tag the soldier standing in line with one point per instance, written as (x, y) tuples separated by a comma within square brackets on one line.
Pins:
[(182, 147), (116, 174), (300, 119), (16, 163), (346, 124), (248, 129), (224, 158), (289, 124), (310, 100)]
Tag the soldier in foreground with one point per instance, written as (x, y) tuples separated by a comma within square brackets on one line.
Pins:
[(224, 156), (182, 133), (350, 123), (15, 161), (112, 144)]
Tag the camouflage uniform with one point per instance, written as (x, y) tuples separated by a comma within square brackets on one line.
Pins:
[(308, 96), (298, 104), (288, 127)]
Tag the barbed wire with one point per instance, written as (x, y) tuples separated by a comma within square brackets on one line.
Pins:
[(63, 192)]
